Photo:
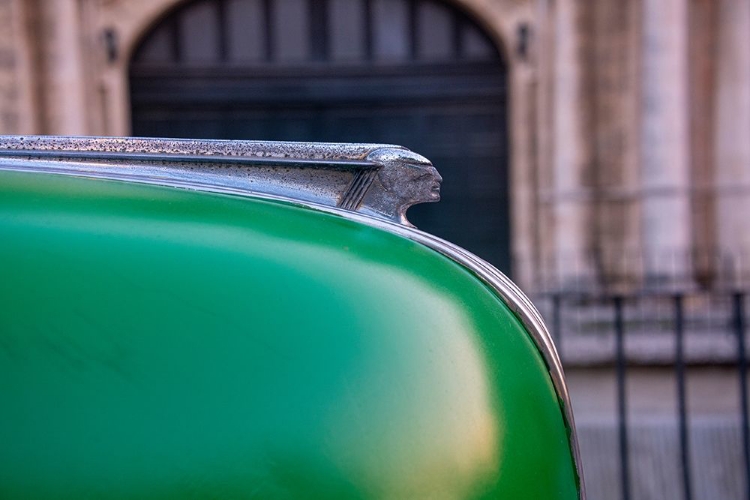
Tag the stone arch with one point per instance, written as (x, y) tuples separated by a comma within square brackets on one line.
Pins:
[(131, 20), (496, 18)]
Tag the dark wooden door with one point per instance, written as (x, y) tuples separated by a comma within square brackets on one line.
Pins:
[(412, 72)]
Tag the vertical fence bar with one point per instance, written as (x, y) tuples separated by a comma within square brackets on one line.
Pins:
[(368, 31), (319, 29), (682, 395), (222, 32), (617, 302), (414, 27), (738, 302), (269, 32), (556, 323), (458, 41)]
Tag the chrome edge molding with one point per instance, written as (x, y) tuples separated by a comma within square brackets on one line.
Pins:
[(403, 179), (523, 308)]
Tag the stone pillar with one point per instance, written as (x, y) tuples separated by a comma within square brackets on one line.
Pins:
[(18, 114), (543, 258), (524, 209), (9, 115), (704, 30), (615, 62), (665, 179), (732, 137), (572, 162), (64, 80)]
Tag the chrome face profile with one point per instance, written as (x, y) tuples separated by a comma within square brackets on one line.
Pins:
[(373, 184)]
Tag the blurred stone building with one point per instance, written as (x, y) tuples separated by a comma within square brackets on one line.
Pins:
[(581, 141)]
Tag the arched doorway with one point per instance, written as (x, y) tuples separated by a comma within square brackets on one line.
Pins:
[(420, 73)]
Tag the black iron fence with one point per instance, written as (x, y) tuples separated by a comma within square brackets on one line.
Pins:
[(676, 331)]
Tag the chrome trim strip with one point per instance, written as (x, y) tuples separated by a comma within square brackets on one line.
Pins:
[(166, 147), (122, 157), (513, 297)]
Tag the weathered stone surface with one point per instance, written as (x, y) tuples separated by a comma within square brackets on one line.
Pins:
[(627, 121), (8, 82)]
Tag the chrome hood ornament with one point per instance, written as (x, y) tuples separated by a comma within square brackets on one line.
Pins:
[(379, 180), (404, 180)]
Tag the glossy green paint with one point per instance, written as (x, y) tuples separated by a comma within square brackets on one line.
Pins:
[(161, 343)]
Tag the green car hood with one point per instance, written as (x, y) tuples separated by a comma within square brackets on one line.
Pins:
[(163, 343)]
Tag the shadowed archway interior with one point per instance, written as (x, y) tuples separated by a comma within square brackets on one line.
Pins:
[(420, 73)]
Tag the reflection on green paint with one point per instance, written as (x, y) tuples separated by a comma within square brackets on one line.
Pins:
[(160, 343)]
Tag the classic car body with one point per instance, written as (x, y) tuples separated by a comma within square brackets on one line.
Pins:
[(242, 319)]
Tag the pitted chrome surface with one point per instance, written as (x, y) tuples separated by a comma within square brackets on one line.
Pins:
[(257, 149)]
